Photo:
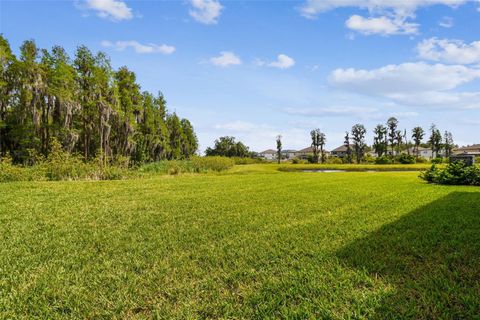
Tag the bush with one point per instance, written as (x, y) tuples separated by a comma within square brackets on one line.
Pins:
[(421, 160), (383, 160), (334, 160), (437, 160), (369, 158), (455, 173), (406, 159)]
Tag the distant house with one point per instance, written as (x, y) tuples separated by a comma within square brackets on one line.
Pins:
[(426, 152), (288, 154), (268, 154), (339, 152), (304, 153), (473, 149)]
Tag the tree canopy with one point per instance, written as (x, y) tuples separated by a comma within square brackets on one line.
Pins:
[(228, 147), (85, 105)]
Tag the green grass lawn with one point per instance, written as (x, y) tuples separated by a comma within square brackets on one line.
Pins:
[(241, 245)]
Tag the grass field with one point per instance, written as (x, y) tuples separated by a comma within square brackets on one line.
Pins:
[(241, 245)]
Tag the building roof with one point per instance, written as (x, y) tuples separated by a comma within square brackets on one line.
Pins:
[(310, 150), (306, 150), (474, 147), (289, 151), (340, 149), (268, 151)]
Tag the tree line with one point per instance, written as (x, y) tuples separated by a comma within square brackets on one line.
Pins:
[(388, 141), (88, 107)]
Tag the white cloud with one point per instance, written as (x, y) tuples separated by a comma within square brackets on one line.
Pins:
[(115, 10), (205, 11), (312, 8), (138, 47), (414, 84), (381, 25), (446, 22), (225, 59), (387, 17), (283, 62), (410, 77), (449, 51)]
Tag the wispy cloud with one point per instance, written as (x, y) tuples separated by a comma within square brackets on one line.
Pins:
[(386, 17), (446, 22), (383, 25), (412, 84), (138, 47)]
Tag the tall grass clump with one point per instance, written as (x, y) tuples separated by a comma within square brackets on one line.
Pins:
[(193, 165)]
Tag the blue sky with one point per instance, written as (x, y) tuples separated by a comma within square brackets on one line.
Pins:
[(255, 69)]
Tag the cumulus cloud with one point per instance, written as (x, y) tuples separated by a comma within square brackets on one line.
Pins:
[(115, 10), (418, 84), (387, 17), (283, 62), (205, 11), (225, 59), (449, 51), (138, 47), (381, 25), (311, 8)]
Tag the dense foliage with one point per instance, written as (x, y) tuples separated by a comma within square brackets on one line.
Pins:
[(87, 106), (228, 147), (456, 173)]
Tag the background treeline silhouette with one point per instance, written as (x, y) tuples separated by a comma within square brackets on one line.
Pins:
[(85, 105)]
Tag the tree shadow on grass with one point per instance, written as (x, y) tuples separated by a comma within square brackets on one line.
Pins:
[(431, 257)]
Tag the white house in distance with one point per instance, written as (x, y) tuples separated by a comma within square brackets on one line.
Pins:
[(268, 154), (288, 154)]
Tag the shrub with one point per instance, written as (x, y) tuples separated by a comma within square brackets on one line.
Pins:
[(421, 160), (334, 160), (383, 160), (369, 158), (406, 159), (455, 173), (437, 160)]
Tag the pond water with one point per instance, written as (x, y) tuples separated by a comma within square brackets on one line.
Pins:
[(370, 170), (323, 170)]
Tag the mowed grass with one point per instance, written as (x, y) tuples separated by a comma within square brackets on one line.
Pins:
[(246, 246)]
